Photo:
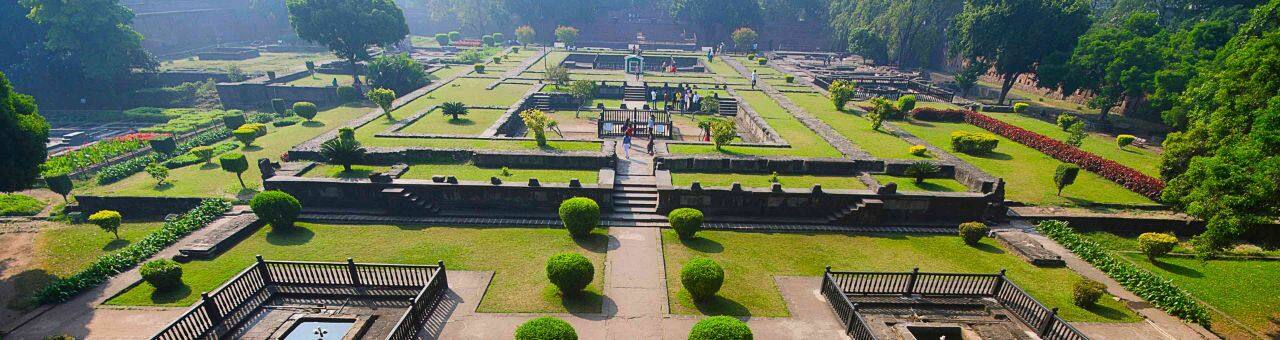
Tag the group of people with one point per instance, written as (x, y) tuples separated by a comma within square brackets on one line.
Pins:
[(629, 129), (684, 98)]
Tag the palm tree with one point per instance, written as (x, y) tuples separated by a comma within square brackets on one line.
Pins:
[(921, 170), (454, 109), (345, 151)]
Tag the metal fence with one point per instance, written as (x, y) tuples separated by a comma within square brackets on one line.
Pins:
[(230, 305), (612, 123), (838, 286)]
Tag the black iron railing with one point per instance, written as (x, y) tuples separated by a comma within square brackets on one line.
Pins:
[(838, 286), (612, 123), (228, 306)]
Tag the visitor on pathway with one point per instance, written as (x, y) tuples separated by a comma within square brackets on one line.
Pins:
[(626, 139), (653, 98), (651, 122), (650, 146), (753, 80), (679, 96)]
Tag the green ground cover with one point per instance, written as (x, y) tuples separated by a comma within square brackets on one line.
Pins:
[(19, 205), (553, 59), (337, 171), (209, 180), (472, 124), (470, 172), (63, 249), (517, 256), (684, 179), (1242, 290), (423, 41), (931, 184), (750, 263), (1028, 174), (268, 61), (1129, 243), (324, 80), (1142, 159), (469, 91), (804, 142), (853, 127), (719, 67)]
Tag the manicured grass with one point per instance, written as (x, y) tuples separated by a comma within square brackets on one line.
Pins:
[(853, 127), (469, 91), (1028, 174), (19, 205), (268, 61), (1243, 290), (475, 122), (337, 171), (685, 179), (1129, 243), (750, 262), (324, 80), (517, 256), (553, 59), (469, 172), (208, 180), (1145, 160), (63, 249), (365, 135), (718, 66), (804, 142), (931, 184)]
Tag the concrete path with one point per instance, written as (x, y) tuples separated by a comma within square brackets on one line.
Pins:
[(1157, 323)]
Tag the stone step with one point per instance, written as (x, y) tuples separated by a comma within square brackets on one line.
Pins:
[(635, 203), (635, 195), (613, 223), (650, 217), (636, 189), (623, 209)]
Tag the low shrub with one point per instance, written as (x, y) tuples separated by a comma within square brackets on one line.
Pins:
[(1086, 292), (1020, 107), (720, 328), (973, 143), (278, 106), (938, 115), (164, 274), (790, 79), (1125, 140), (702, 278), (348, 94), (920, 170), (108, 220), (1066, 120), (751, 56), (306, 110), (235, 163), (164, 144), (1155, 289), (580, 215), (120, 261), (973, 232), (546, 328), (1156, 244), (762, 61), (570, 272), (479, 68), (685, 221), (258, 128), (288, 121), (199, 155), (1247, 250), (918, 150), (276, 207), (233, 121)]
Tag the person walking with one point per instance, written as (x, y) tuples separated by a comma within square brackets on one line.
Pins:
[(651, 123), (653, 98), (679, 97), (626, 139), (753, 79), (650, 147)]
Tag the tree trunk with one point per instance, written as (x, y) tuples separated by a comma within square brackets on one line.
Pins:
[(919, 180), (242, 186), (346, 167), (1005, 86), (116, 232), (355, 73)]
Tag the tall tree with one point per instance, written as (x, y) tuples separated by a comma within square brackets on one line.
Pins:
[(714, 18), (348, 27), (24, 133), (909, 32), (1013, 36), (94, 33), (1114, 63)]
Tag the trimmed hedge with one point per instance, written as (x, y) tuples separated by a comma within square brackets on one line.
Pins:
[(938, 115), (276, 207), (164, 274), (720, 328), (109, 265), (580, 215), (546, 328), (973, 143), (1156, 244), (1159, 291), (193, 157), (570, 272), (1086, 292), (686, 221), (1131, 179), (918, 150), (702, 277), (973, 232)]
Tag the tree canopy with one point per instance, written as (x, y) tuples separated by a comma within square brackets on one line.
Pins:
[(24, 133), (996, 32), (348, 27)]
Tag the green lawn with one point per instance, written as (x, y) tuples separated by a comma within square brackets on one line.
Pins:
[(268, 61), (1028, 174), (472, 124), (1145, 160), (750, 262), (324, 80), (20, 205), (1243, 290), (469, 91), (931, 184), (469, 172), (685, 179), (337, 171), (853, 127), (63, 249), (208, 180), (517, 256), (1130, 243), (365, 135), (804, 142)]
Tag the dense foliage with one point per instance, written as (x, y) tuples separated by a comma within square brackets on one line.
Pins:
[(1085, 293), (1156, 244), (1157, 290), (538, 123), (107, 220), (546, 328), (580, 215), (348, 27), (24, 133), (973, 232), (1064, 175), (109, 265), (973, 143), (570, 272), (909, 33), (720, 328), (343, 151), (995, 32), (383, 98), (702, 278), (235, 163), (164, 274), (397, 72)]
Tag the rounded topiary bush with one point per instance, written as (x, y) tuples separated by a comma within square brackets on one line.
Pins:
[(108, 220), (546, 328), (306, 110), (580, 215), (276, 207), (685, 221), (479, 68), (570, 272), (762, 61), (702, 278), (720, 328), (972, 232), (1020, 107), (1087, 292), (1124, 140), (1156, 244), (162, 274), (918, 150)]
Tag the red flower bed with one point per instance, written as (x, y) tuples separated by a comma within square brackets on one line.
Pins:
[(938, 115), (142, 136), (1128, 177)]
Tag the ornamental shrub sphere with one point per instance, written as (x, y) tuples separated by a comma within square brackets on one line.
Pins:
[(580, 215), (686, 221), (720, 328), (570, 272), (702, 278), (546, 328)]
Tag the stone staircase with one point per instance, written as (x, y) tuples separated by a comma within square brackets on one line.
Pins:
[(541, 101), (635, 202), (407, 203), (728, 106), (635, 93), (864, 212)]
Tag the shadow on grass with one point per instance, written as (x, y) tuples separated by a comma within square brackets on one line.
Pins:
[(994, 155), (162, 186), (1177, 269), (935, 187), (208, 166), (172, 295), (291, 236), (1107, 312), (702, 244), (461, 122), (988, 248), (312, 123), (245, 194), (720, 305), (25, 285), (596, 242), (250, 148), (355, 173), (115, 244), (584, 302)]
